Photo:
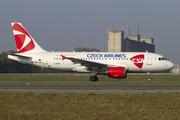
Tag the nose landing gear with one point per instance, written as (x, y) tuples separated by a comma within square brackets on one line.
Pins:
[(148, 79)]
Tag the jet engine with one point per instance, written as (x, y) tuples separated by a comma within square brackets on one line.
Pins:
[(117, 72)]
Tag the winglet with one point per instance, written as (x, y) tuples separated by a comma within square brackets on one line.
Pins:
[(63, 57)]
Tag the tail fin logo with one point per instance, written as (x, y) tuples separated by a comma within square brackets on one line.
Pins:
[(138, 60), (24, 41)]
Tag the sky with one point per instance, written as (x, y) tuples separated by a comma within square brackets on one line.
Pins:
[(62, 25)]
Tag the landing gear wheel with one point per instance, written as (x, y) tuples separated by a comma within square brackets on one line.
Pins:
[(149, 79), (96, 78), (93, 78)]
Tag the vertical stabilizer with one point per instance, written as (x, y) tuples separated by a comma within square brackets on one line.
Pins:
[(24, 42)]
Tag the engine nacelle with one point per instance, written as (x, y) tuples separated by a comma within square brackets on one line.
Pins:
[(117, 72)]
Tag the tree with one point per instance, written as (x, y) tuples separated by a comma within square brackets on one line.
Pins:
[(1, 67), (11, 66)]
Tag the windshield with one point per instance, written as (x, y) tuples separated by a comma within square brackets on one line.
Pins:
[(162, 58)]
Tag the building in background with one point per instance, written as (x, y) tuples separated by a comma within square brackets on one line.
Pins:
[(132, 43), (176, 69), (116, 41)]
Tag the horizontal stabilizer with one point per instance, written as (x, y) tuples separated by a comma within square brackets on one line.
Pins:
[(22, 56)]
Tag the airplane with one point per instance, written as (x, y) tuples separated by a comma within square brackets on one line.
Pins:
[(112, 64)]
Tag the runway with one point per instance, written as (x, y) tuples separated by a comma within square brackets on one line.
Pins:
[(97, 89)]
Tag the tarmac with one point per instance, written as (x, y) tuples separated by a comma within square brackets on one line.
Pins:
[(97, 89)]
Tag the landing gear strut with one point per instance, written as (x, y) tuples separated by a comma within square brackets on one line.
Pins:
[(148, 79), (93, 78)]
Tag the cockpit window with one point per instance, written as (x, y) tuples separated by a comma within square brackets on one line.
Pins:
[(162, 58)]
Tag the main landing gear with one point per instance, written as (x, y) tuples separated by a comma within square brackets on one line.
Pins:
[(148, 79), (93, 78)]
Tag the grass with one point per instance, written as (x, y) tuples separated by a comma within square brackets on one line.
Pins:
[(84, 80), (39, 106), (71, 106)]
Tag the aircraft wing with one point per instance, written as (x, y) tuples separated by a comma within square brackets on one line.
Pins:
[(94, 66)]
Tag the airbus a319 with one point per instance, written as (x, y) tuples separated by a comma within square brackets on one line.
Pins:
[(112, 64)]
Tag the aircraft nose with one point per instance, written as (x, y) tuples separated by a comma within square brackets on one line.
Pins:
[(171, 65)]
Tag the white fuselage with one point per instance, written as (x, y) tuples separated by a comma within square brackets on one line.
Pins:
[(112, 64), (132, 61)]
